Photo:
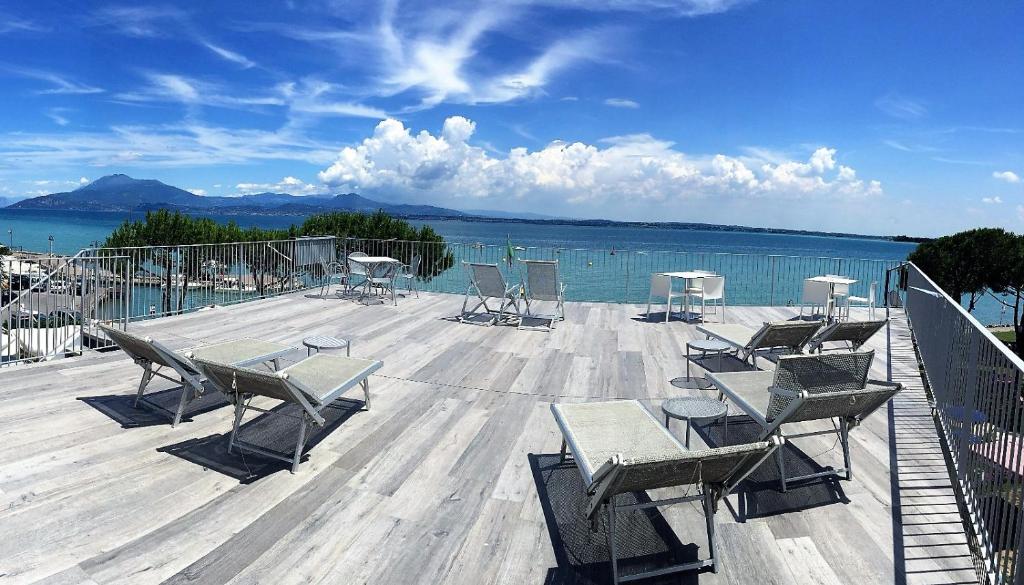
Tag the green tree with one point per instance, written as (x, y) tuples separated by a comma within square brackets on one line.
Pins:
[(968, 263)]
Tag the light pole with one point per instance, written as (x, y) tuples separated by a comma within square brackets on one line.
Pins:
[(10, 237), (51, 245)]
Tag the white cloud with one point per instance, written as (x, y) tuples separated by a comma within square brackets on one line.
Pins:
[(396, 163), (196, 191), (57, 115), (899, 106), (83, 181), (185, 144), (138, 21), (1020, 212), (60, 85), (676, 7), (229, 55), (992, 200), (290, 185), (1008, 176), (621, 103)]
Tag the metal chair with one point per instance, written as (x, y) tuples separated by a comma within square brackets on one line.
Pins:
[(542, 283), (487, 282)]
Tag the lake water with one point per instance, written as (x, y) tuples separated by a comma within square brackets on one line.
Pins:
[(72, 231)]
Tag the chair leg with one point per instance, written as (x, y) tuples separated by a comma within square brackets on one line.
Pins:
[(366, 392), (612, 548), (186, 388), (239, 411), (782, 468), (648, 307), (147, 375), (300, 443), (844, 437), (561, 457), (709, 520)]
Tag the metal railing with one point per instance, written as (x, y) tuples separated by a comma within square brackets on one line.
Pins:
[(977, 387), (51, 312), (623, 276)]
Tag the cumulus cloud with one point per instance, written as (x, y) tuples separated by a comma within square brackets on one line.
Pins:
[(196, 191), (396, 163), (992, 200), (621, 103), (1008, 176), (290, 185)]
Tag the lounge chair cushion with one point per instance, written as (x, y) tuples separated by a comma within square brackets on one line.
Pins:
[(747, 390), (239, 351), (601, 430), (321, 375), (735, 335)]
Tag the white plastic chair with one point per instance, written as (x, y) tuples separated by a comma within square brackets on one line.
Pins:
[(409, 273), (815, 294), (661, 287), (868, 301), (709, 288)]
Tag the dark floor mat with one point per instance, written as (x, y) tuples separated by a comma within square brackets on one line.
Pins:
[(760, 495), (644, 539), (158, 408), (270, 432)]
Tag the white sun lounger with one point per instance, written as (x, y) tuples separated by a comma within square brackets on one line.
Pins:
[(619, 447), (854, 333), (806, 388), (152, 356), (789, 335), (313, 384)]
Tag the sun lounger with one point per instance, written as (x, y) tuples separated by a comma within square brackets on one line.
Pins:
[(153, 356), (808, 388), (619, 447), (789, 335), (487, 282), (855, 333), (542, 283), (313, 384)]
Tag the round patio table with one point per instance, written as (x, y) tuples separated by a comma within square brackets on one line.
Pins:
[(704, 346), (697, 408), (319, 342)]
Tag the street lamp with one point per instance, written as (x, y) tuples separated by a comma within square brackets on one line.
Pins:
[(51, 245), (10, 236)]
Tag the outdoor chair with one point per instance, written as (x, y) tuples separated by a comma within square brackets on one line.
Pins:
[(383, 279), (815, 294), (487, 282), (832, 386), (710, 288), (620, 448), (854, 333), (332, 271), (661, 287), (410, 273), (356, 271), (152, 356), (868, 301), (542, 283), (312, 384), (786, 335)]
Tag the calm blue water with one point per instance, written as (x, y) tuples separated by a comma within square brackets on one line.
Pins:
[(73, 231)]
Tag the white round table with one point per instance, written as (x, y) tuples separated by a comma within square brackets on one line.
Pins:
[(695, 408), (319, 342)]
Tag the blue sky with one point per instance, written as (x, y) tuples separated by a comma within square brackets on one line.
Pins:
[(873, 117)]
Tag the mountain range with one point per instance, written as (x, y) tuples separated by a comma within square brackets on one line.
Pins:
[(123, 193)]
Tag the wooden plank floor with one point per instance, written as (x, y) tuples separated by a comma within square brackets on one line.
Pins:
[(449, 478)]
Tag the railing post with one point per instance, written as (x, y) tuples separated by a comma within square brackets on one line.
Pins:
[(771, 283)]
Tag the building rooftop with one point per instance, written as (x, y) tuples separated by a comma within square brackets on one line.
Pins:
[(452, 477)]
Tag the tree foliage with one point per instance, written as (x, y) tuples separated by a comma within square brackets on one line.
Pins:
[(975, 262), (175, 246)]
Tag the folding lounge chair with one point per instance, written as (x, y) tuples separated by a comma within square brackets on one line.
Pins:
[(543, 284), (313, 384), (790, 335), (855, 333), (153, 356), (487, 282), (808, 388), (619, 447)]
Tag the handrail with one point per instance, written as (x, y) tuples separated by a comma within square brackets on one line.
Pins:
[(62, 266), (1014, 358)]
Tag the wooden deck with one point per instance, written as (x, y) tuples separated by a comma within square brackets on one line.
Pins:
[(450, 478)]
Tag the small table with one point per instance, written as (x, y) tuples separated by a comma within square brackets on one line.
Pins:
[(832, 281), (687, 276), (372, 265), (319, 342), (695, 408)]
